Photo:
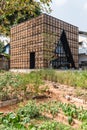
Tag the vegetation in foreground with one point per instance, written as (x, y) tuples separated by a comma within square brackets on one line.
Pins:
[(14, 85), (30, 117), (33, 116), (71, 78)]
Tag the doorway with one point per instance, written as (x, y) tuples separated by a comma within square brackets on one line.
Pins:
[(32, 60)]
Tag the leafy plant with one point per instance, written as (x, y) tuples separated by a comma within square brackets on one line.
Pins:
[(50, 125), (1, 47), (17, 11), (30, 110), (70, 120)]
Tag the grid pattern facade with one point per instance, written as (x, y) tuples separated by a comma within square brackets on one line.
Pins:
[(40, 35)]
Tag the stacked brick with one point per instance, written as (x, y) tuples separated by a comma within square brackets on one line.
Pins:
[(40, 35), (53, 31)]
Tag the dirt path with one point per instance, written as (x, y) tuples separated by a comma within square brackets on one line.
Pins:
[(66, 94), (8, 109)]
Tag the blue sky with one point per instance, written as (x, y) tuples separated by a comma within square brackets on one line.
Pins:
[(71, 11)]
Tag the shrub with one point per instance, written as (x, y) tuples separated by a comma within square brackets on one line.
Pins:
[(31, 110)]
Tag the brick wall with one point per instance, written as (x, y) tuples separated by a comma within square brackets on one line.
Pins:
[(40, 35)]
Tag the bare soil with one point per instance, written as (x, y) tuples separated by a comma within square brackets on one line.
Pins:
[(62, 93)]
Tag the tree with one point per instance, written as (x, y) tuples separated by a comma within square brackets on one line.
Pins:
[(1, 47), (13, 12)]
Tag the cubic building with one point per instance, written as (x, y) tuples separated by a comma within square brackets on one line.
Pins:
[(44, 42)]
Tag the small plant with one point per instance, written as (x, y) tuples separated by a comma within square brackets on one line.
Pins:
[(84, 126), (49, 125), (70, 120), (31, 110)]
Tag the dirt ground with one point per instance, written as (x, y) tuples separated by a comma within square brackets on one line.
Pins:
[(62, 93)]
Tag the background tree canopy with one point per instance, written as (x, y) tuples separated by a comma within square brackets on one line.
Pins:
[(1, 47), (13, 12)]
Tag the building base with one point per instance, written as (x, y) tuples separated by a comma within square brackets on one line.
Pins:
[(23, 70)]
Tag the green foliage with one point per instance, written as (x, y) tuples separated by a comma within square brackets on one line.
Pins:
[(19, 85), (16, 121), (72, 78), (15, 85), (3, 127), (10, 118), (26, 118), (50, 107), (84, 126), (19, 119), (36, 80), (30, 110), (50, 125), (12, 121), (48, 74), (16, 11), (1, 47), (7, 56), (71, 111), (10, 84), (70, 120)]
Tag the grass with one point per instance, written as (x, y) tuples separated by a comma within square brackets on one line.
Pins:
[(19, 85), (72, 78), (31, 117)]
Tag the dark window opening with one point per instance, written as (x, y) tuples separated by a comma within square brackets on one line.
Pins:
[(62, 55), (32, 60)]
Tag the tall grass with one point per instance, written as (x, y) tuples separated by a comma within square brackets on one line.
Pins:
[(16, 85), (72, 78)]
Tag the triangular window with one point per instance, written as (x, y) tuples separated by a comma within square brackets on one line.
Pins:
[(62, 54)]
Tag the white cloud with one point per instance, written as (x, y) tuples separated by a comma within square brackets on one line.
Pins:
[(85, 6), (60, 2)]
